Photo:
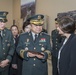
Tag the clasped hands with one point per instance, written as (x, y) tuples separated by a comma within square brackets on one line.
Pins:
[(35, 54), (4, 63)]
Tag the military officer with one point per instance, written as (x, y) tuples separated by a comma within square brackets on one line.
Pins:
[(6, 45), (34, 50), (57, 41)]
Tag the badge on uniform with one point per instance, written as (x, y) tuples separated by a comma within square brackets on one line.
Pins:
[(27, 42), (42, 40)]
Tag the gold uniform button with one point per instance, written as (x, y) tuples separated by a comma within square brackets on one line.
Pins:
[(39, 44), (34, 48), (34, 59), (56, 48), (3, 48), (34, 65), (26, 45), (4, 53), (56, 42), (56, 39), (5, 40), (56, 45), (4, 34)]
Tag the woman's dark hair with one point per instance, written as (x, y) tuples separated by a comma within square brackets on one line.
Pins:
[(14, 26), (67, 25), (55, 19), (26, 23)]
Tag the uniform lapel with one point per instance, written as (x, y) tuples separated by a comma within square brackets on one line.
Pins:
[(2, 42), (39, 36), (3, 34)]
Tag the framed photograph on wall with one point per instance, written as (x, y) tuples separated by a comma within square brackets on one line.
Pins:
[(27, 8)]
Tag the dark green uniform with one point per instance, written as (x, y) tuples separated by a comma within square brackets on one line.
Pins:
[(6, 49), (34, 65), (57, 42)]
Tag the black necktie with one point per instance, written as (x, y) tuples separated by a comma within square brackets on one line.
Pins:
[(0, 33), (35, 37), (0, 40)]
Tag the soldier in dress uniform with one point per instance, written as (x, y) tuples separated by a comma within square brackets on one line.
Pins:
[(57, 41), (6, 45), (34, 50)]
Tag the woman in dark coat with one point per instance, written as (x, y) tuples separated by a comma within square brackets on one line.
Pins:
[(16, 65), (67, 53)]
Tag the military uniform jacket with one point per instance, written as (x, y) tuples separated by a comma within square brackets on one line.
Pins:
[(6, 46), (57, 42), (34, 66)]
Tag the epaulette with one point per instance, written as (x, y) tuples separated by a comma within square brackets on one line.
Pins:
[(24, 33), (6, 29), (43, 33)]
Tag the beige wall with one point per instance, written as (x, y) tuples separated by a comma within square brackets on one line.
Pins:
[(17, 13), (52, 7), (7, 5), (46, 7)]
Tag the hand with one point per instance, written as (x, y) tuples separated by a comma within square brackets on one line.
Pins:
[(40, 56), (4, 63), (31, 54), (14, 66)]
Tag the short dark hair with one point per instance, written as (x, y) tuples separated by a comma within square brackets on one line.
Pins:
[(67, 24), (55, 19), (26, 23)]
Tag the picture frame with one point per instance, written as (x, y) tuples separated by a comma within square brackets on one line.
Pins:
[(27, 9)]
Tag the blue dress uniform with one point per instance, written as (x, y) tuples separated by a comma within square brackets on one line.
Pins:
[(34, 66), (6, 44), (57, 42)]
